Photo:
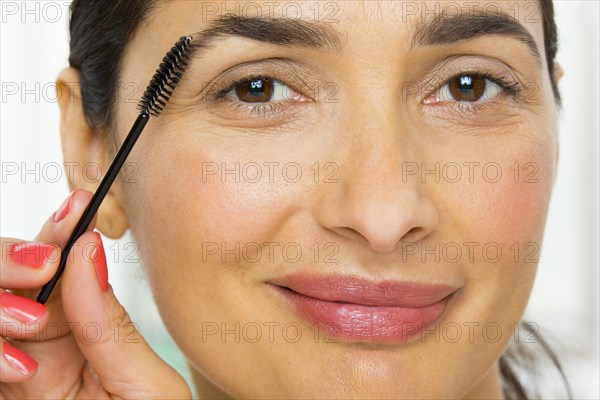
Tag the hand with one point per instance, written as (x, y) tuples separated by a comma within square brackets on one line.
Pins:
[(73, 346)]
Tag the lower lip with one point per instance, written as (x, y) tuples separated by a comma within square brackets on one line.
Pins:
[(363, 323)]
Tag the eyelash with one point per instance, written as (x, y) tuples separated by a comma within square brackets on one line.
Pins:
[(509, 88)]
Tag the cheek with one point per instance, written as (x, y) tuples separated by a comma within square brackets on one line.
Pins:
[(504, 196), (206, 212), (502, 212), (510, 211), (523, 208), (507, 227), (228, 205)]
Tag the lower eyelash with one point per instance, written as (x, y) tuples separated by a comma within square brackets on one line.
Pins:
[(260, 109), (472, 108)]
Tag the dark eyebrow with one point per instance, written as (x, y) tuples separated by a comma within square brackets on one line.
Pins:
[(448, 29), (279, 31)]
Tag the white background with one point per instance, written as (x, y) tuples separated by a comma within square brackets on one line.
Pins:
[(564, 302)]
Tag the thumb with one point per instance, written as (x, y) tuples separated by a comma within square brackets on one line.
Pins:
[(125, 364)]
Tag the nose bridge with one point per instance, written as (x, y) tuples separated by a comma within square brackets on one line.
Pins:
[(378, 150), (374, 182), (377, 132), (374, 202)]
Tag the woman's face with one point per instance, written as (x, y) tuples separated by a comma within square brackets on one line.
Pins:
[(405, 147)]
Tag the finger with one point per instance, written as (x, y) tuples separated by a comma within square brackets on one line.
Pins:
[(91, 387), (27, 265), (106, 335), (21, 318), (60, 225), (15, 365), (58, 229)]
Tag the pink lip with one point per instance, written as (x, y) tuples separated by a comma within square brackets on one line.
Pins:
[(362, 310)]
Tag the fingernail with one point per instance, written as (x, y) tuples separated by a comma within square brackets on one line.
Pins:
[(64, 208), (18, 359), (20, 308), (32, 254), (98, 258)]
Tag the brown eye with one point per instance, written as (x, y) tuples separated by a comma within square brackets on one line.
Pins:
[(467, 87), (259, 90)]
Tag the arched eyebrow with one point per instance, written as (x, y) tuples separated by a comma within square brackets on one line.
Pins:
[(279, 31), (446, 29)]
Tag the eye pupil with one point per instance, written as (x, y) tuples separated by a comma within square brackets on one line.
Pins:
[(256, 86), (466, 83), (467, 87), (259, 90)]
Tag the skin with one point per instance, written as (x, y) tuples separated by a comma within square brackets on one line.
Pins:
[(371, 134)]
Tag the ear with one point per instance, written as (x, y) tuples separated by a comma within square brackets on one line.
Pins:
[(86, 155), (558, 72)]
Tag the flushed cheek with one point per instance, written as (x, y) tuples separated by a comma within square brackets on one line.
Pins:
[(227, 207), (502, 212), (505, 224), (218, 222), (514, 208), (503, 193)]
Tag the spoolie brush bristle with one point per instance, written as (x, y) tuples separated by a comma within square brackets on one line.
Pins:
[(166, 78)]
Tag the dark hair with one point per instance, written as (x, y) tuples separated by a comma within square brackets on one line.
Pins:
[(550, 42), (100, 31), (522, 361)]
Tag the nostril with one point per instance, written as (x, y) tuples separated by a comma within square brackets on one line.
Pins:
[(351, 233), (412, 234)]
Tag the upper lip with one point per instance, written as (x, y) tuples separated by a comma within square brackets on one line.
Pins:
[(357, 290)]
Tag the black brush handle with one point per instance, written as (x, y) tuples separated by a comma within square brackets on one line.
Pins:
[(94, 204)]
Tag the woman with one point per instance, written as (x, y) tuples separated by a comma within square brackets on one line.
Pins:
[(341, 200)]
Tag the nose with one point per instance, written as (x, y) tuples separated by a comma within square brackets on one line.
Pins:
[(373, 202)]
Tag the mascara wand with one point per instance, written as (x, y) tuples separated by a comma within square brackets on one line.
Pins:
[(153, 102)]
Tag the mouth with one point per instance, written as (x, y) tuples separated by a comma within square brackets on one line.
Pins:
[(361, 310)]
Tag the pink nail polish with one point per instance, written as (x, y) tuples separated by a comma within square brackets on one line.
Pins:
[(64, 208), (32, 254), (98, 258), (20, 308), (18, 359)]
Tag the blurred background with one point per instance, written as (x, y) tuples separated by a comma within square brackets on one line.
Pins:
[(564, 302)]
